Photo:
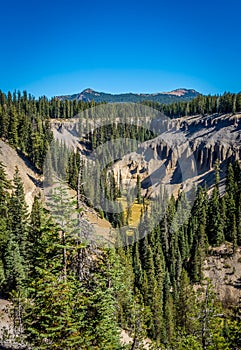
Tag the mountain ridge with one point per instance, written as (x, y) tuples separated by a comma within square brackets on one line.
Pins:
[(88, 95)]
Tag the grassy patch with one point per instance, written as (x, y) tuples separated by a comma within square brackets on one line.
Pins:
[(135, 210)]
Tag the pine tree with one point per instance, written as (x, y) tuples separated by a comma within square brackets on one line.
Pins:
[(138, 185), (168, 310), (42, 239), (232, 192), (13, 127), (63, 209), (19, 214), (138, 318), (4, 229), (14, 266), (210, 321), (186, 315), (4, 208), (215, 222)]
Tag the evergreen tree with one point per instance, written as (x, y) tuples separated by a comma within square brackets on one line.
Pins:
[(14, 265), (215, 221), (13, 127), (186, 316), (42, 239), (19, 214), (138, 185)]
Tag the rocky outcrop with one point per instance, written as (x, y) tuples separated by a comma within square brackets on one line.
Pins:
[(66, 131), (185, 152), (224, 269)]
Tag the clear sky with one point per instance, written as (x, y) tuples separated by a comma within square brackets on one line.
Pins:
[(64, 46)]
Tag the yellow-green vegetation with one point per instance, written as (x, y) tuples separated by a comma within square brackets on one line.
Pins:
[(133, 214)]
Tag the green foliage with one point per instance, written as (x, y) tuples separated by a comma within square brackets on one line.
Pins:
[(75, 295), (24, 125), (19, 213), (188, 342), (138, 185), (226, 103)]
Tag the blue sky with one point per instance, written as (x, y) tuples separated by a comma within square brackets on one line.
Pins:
[(61, 47)]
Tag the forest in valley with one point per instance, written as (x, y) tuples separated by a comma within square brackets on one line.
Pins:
[(70, 293)]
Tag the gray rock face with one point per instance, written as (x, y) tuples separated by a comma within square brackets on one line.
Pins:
[(183, 154)]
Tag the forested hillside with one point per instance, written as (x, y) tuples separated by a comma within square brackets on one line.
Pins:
[(68, 292), (220, 104), (24, 121)]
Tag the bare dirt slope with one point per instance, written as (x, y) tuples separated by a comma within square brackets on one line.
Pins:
[(8, 334), (33, 184), (224, 270), (31, 179)]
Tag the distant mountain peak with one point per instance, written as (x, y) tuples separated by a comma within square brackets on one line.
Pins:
[(88, 91), (180, 94)]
